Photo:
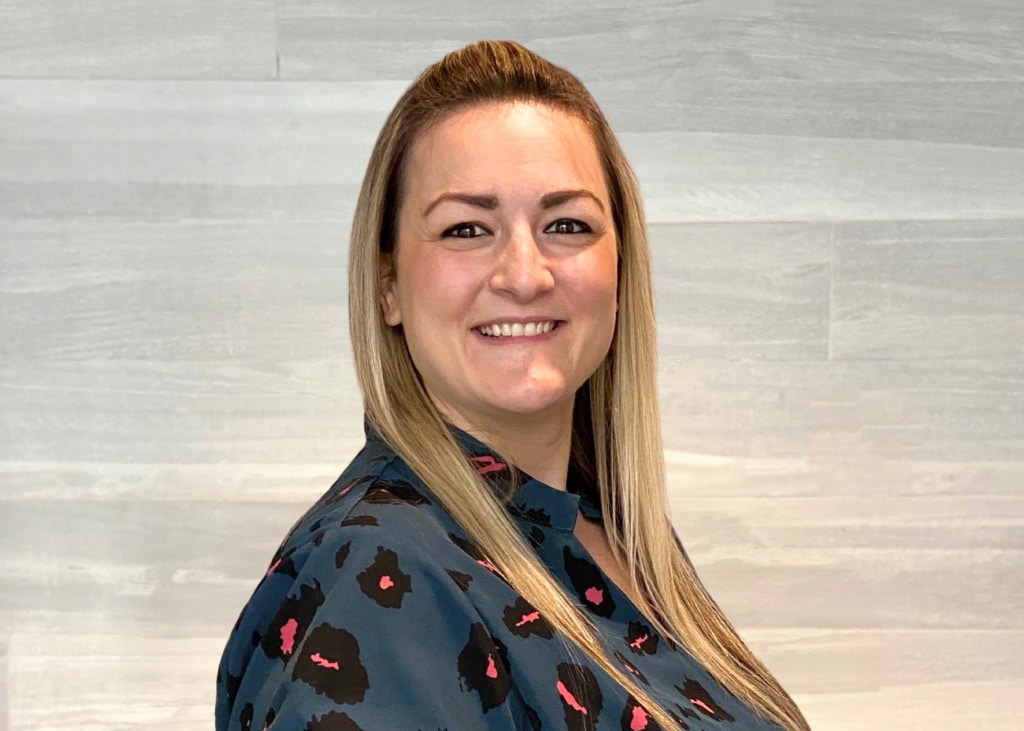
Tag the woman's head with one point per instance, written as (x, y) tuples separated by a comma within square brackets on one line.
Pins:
[(488, 84), (503, 276), (616, 428)]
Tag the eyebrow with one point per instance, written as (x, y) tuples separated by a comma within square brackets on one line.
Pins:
[(562, 196), (490, 202)]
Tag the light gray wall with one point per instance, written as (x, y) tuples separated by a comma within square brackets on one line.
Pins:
[(836, 196)]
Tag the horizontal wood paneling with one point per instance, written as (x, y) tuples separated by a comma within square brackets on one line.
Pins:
[(942, 291), (728, 177), (244, 291), (982, 113), (922, 410), (184, 151), (864, 40), (742, 291), (138, 412), (138, 39)]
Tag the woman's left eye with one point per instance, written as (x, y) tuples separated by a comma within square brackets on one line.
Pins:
[(567, 226)]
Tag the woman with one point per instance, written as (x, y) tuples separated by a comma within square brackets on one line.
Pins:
[(498, 556)]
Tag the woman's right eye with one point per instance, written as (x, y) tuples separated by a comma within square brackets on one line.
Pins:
[(465, 231)]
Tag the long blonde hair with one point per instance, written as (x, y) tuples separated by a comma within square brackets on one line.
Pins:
[(616, 426)]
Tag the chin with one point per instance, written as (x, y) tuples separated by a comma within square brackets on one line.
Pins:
[(534, 403)]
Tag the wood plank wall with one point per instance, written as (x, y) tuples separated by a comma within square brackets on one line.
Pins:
[(836, 197)]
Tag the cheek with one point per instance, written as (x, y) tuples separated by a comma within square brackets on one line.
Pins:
[(597, 281), (434, 287), (598, 294)]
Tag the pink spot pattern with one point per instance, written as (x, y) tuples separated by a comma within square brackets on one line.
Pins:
[(488, 565), (594, 595), (639, 641), (528, 618), (323, 662), (569, 698), (288, 631), (701, 704), (639, 720), (485, 464)]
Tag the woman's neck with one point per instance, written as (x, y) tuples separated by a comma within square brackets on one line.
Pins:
[(539, 447)]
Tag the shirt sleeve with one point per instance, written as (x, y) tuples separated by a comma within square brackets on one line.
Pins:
[(375, 632)]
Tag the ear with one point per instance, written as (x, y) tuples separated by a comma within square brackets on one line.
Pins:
[(388, 296)]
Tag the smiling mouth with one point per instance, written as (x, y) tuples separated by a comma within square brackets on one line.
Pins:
[(517, 329)]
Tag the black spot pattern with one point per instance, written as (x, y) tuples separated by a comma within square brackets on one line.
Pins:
[(383, 581), (679, 718), (483, 667), (329, 662), (533, 718), (590, 586), (461, 580), (359, 520), (581, 696), (473, 550), (468, 546), (342, 555), (282, 563), (289, 626), (523, 620), (231, 685), (703, 701), (395, 493), (333, 721), (641, 639), (630, 668), (245, 717), (534, 515), (536, 536), (338, 491)]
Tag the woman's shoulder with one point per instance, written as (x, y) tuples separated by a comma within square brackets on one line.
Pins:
[(371, 571), (377, 532), (376, 498), (377, 519)]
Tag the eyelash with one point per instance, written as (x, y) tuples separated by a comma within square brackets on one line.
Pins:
[(582, 228)]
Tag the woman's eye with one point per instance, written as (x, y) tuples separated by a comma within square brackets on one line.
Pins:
[(465, 231), (568, 226)]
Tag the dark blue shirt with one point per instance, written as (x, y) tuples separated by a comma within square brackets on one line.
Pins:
[(378, 613)]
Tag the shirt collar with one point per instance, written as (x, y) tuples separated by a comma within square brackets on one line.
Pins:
[(533, 501)]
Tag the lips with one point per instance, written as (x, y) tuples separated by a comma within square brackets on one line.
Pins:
[(517, 329)]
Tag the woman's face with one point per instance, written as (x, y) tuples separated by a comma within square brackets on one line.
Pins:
[(504, 274)]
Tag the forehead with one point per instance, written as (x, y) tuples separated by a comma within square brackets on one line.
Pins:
[(500, 144)]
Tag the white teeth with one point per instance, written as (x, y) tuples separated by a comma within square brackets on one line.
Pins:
[(517, 330)]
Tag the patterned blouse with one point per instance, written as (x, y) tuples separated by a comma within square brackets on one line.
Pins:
[(378, 613)]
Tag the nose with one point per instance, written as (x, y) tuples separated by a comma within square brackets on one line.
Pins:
[(522, 269)]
